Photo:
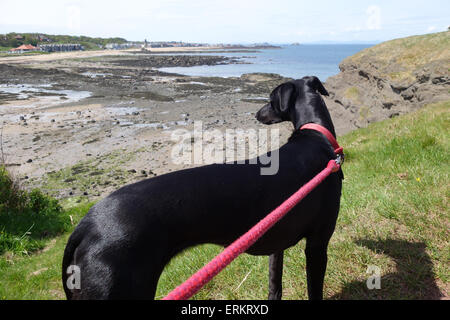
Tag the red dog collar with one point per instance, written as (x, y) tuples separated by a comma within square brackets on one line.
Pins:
[(313, 126)]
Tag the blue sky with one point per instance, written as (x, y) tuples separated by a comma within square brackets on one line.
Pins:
[(230, 21)]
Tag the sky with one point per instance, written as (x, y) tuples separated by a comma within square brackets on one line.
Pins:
[(229, 21)]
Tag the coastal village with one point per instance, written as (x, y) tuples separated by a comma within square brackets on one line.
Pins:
[(23, 43), (13, 43)]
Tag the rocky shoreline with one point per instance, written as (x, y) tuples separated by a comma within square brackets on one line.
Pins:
[(79, 149), (390, 79), (79, 128)]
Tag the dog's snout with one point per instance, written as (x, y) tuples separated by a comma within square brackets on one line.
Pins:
[(267, 115)]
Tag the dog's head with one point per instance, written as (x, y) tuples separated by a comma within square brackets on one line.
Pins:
[(289, 97)]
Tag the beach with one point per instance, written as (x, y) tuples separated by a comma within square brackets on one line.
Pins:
[(80, 125)]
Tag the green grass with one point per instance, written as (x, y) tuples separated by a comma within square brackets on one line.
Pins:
[(37, 275), (394, 215), (27, 219)]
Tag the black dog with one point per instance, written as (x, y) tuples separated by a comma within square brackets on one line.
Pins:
[(122, 245)]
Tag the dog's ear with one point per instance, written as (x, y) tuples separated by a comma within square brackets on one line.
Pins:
[(283, 97), (316, 84)]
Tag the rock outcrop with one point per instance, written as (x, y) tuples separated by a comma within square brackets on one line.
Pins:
[(390, 79)]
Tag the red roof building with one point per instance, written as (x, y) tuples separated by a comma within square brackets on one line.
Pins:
[(25, 47)]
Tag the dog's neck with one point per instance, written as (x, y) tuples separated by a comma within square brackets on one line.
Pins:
[(305, 116)]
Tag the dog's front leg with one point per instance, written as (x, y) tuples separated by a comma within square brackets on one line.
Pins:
[(316, 264), (275, 275)]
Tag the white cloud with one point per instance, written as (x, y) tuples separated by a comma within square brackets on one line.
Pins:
[(431, 28), (374, 20)]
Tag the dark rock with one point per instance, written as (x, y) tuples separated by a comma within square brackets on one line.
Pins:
[(387, 105), (440, 80), (364, 74)]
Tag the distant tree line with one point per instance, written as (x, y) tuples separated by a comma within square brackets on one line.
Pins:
[(16, 39)]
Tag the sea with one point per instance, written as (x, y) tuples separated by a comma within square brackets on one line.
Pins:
[(294, 61)]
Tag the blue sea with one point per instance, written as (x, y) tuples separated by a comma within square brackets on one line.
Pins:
[(293, 61)]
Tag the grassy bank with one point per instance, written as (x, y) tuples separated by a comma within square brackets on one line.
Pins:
[(400, 59), (27, 218), (37, 274), (394, 215)]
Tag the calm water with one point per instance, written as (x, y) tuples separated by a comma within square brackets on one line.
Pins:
[(290, 61)]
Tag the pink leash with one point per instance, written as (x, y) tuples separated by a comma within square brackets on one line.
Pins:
[(192, 285)]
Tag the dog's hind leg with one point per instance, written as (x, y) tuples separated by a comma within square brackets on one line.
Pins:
[(275, 275), (316, 264)]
